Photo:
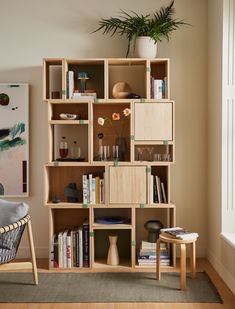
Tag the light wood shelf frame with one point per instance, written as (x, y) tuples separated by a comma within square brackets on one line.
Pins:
[(110, 66)]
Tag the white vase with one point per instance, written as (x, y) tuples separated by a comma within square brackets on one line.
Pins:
[(113, 257), (145, 47)]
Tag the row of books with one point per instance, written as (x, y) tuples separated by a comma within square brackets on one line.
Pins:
[(158, 88), (92, 189), (179, 233), (147, 255), (70, 248), (157, 193)]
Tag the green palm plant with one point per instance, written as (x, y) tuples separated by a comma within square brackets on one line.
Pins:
[(157, 26)]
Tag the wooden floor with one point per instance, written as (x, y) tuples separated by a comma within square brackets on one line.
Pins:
[(202, 264)]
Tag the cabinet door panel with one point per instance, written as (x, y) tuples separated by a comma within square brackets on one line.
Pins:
[(153, 121), (128, 184)]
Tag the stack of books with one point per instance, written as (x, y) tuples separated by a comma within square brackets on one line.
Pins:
[(147, 255), (70, 248), (157, 193), (158, 88), (179, 233), (93, 189), (84, 95)]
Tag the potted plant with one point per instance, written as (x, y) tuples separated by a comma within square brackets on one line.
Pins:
[(143, 29)]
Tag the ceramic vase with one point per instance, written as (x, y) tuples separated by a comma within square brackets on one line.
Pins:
[(113, 257), (145, 47)]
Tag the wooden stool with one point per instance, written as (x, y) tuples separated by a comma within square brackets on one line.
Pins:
[(182, 244)]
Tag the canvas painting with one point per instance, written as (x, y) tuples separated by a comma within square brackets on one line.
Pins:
[(14, 139)]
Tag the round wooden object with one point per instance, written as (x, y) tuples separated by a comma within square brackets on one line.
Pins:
[(121, 90)]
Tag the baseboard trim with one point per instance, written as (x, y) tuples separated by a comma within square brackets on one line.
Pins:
[(222, 271)]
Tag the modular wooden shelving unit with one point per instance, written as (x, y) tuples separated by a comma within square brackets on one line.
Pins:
[(127, 183)]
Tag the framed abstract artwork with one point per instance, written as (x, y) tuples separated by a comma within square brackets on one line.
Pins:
[(14, 140)]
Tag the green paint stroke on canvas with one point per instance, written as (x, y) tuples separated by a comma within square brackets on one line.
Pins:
[(14, 133)]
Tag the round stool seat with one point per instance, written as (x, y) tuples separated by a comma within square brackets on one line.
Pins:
[(182, 243)]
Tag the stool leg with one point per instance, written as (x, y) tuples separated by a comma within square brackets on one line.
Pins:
[(193, 259), (183, 266), (32, 252), (158, 260)]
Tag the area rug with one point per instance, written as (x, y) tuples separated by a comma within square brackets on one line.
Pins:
[(105, 288)]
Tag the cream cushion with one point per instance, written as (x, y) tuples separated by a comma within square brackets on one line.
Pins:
[(11, 212)]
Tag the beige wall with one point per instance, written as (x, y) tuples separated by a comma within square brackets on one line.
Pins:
[(220, 253), (31, 30)]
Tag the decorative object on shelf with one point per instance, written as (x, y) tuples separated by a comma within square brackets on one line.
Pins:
[(111, 220), (63, 149), (122, 148), (68, 116), (82, 76), (154, 26), (56, 200), (104, 152), (121, 90), (75, 151), (153, 227), (72, 193), (120, 136), (113, 257)]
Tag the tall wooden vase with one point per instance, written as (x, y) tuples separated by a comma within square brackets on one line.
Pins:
[(113, 257)]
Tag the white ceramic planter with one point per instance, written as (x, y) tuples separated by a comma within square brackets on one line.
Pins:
[(145, 47)]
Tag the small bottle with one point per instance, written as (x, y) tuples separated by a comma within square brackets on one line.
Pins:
[(75, 151), (63, 148)]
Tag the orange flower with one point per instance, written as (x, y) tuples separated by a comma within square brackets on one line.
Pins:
[(100, 121), (116, 116), (126, 112)]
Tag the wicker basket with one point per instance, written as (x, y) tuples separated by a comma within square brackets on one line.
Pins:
[(10, 236)]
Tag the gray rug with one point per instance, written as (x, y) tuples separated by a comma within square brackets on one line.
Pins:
[(105, 288)]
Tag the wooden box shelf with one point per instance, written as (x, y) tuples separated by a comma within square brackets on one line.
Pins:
[(112, 129), (59, 177), (101, 247), (130, 71), (95, 70), (153, 153), (121, 180), (80, 109)]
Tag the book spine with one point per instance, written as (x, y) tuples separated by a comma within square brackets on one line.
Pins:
[(163, 193), (158, 189), (69, 252), (97, 190), (64, 249), (60, 250), (93, 191), (52, 252), (80, 247), (85, 189), (151, 189), (86, 245), (77, 249), (158, 89), (90, 188), (70, 84), (56, 261)]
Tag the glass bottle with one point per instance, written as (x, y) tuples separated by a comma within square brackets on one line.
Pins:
[(63, 148), (75, 151)]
